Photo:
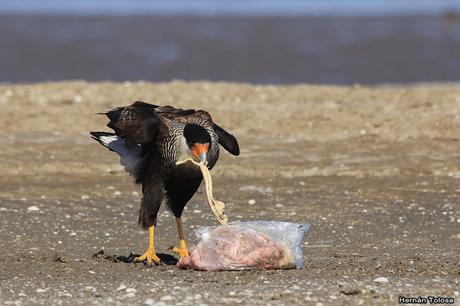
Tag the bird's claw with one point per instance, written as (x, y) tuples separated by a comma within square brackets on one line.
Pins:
[(150, 256), (182, 251)]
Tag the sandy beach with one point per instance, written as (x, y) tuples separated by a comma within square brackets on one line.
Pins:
[(374, 169)]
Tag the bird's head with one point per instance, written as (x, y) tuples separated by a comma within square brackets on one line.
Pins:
[(198, 141)]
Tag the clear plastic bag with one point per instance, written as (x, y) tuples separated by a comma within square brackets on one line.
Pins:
[(247, 245)]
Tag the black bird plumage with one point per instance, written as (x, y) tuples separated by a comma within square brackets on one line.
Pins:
[(150, 139)]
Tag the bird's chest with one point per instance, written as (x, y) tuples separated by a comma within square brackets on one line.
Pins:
[(170, 151), (187, 170)]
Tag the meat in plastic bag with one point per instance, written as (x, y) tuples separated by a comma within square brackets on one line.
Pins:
[(247, 245)]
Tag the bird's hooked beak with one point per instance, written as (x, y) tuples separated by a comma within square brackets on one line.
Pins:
[(200, 150)]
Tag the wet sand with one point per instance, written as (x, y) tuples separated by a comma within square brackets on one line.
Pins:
[(374, 170)]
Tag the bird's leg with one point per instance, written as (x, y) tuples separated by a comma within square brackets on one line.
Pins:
[(182, 249), (150, 254)]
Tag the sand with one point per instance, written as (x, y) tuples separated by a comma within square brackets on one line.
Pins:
[(374, 170)]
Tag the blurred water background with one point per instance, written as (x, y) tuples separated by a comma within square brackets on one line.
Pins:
[(276, 42)]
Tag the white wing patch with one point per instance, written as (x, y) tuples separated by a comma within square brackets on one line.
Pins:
[(130, 156)]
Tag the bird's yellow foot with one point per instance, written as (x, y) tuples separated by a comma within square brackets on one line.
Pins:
[(183, 252), (182, 249), (150, 256)]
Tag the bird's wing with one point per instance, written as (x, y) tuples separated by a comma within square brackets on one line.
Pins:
[(227, 140), (130, 155), (141, 123), (173, 113), (138, 122)]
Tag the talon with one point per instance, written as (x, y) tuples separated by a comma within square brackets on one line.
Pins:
[(182, 251), (150, 256)]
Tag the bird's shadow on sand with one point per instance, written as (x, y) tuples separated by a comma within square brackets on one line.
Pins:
[(166, 259)]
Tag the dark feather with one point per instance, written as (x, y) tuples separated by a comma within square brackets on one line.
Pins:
[(152, 190), (172, 112), (137, 122), (179, 190), (151, 202), (227, 140), (145, 105)]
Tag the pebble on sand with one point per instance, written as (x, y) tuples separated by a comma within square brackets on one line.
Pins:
[(381, 280), (33, 208), (131, 290)]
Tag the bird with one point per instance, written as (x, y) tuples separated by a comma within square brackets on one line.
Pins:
[(149, 140)]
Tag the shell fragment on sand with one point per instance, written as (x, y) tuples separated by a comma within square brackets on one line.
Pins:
[(217, 207)]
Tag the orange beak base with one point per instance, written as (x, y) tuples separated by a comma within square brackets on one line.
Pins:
[(200, 150)]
